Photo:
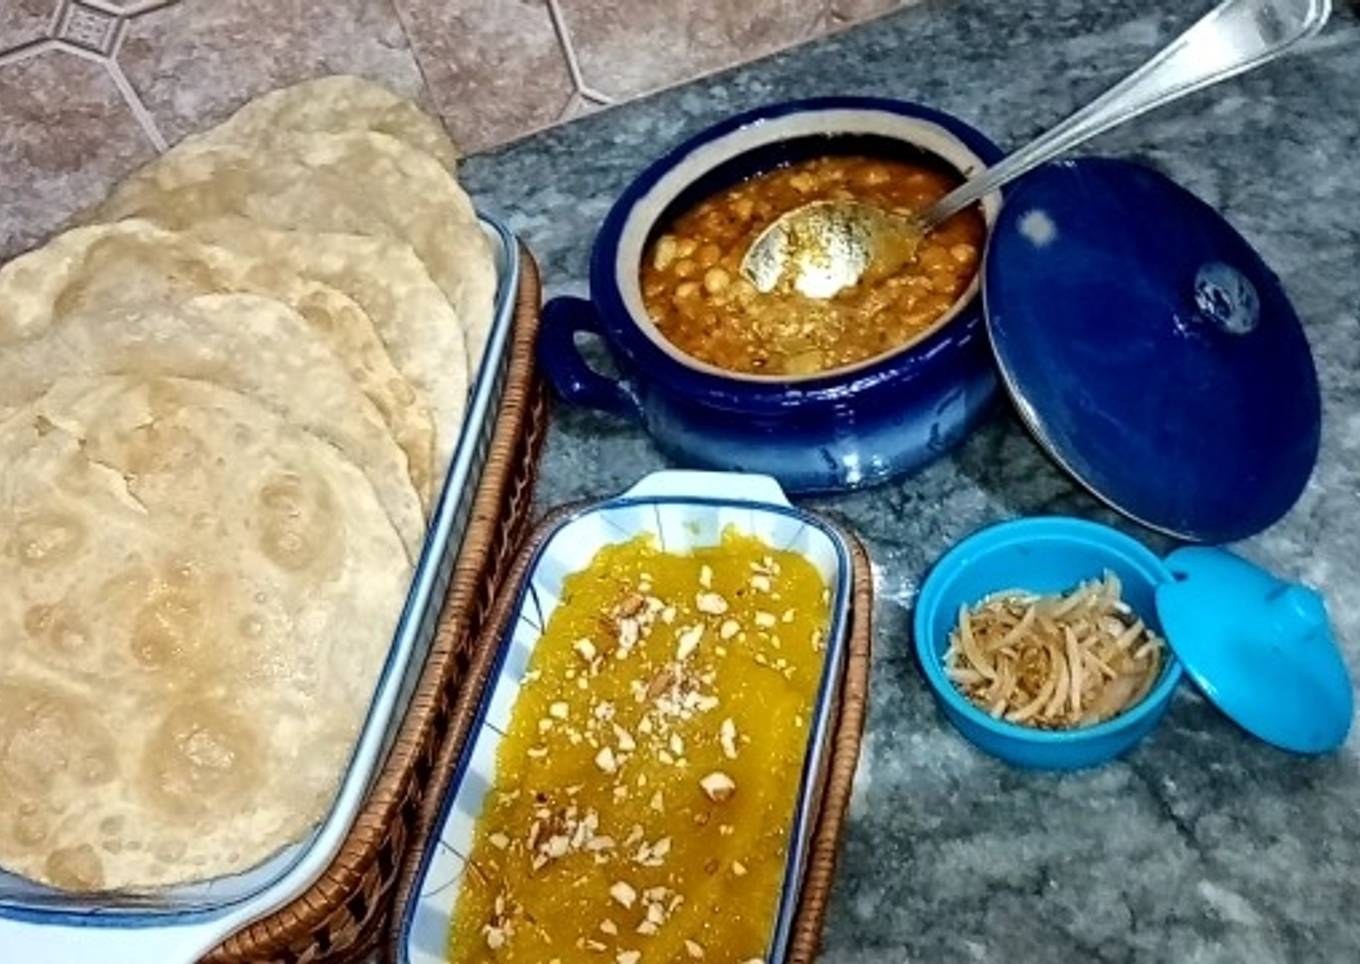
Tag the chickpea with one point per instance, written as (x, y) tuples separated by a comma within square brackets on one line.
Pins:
[(686, 290), (871, 175), (716, 280), (943, 283), (665, 252), (743, 208), (802, 182), (686, 247), (935, 258), (685, 267), (964, 254), (708, 255)]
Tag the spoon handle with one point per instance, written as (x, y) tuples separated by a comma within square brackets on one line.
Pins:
[(1235, 36)]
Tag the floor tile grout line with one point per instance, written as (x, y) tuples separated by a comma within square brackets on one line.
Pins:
[(75, 50), (119, 35), (131, 10), (24, 51), (58, 17), (564, 41), (416, 59), (135, 105), (564, 114)]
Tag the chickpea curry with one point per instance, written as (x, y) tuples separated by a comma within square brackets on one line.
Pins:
[(695, 293), (645, 789)]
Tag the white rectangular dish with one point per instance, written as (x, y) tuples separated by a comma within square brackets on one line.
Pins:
[(682, 511), (39, 925)]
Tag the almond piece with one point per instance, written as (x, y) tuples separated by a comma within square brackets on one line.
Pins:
[(710, 603), (557, 846), (585, 649), (623, 894), (558, 710), (718, 786), (728, 629), (727, 736), (688, 642), (605, 760)]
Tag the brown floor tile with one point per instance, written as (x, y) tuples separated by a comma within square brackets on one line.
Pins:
[(630, 47), (23, 21), (194, 63), (67, 137), (495, 67)]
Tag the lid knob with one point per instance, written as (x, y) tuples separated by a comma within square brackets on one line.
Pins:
[(1227, 298)]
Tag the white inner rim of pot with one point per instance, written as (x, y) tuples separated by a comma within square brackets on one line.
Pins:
[(648, 209)]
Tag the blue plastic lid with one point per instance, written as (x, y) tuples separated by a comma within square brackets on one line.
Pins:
[(1261, 649), (1150, 350)]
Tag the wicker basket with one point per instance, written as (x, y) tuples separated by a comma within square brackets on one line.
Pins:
[(835, 793), (343, 915)]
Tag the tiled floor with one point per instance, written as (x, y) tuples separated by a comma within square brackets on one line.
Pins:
[(89, 89)]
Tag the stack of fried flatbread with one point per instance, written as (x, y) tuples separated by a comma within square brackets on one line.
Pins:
[(229, 397)]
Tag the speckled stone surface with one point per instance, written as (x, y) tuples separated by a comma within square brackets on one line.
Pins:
[(1204, 845)]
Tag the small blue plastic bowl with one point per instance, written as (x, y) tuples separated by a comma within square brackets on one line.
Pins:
[(1043, 554)]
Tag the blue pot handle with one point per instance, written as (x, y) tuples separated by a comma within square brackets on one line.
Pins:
[(570, 374)]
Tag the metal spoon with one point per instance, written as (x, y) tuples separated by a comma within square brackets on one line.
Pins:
[(825, 246)]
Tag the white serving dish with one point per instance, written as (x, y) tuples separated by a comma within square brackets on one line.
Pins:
[(681, 510), (39, 925)]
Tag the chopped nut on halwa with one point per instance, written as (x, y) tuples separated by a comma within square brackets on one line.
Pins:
[(694, 949), (623, 894), (710, 603), (718, 786), (688, 642), (727, 737)]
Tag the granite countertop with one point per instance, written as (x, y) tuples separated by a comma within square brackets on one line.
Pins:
[(1203, 845)]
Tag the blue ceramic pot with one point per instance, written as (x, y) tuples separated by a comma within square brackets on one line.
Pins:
[(839, 430)]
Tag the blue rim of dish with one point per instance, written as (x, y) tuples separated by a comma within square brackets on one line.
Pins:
[(772, 396), (836, 633), (933, 667), (127, 916)]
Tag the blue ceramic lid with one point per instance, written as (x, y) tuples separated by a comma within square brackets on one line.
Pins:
[(1150, 350), (1260, 648)]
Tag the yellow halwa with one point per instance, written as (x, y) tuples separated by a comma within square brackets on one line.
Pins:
[(645, 790)]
